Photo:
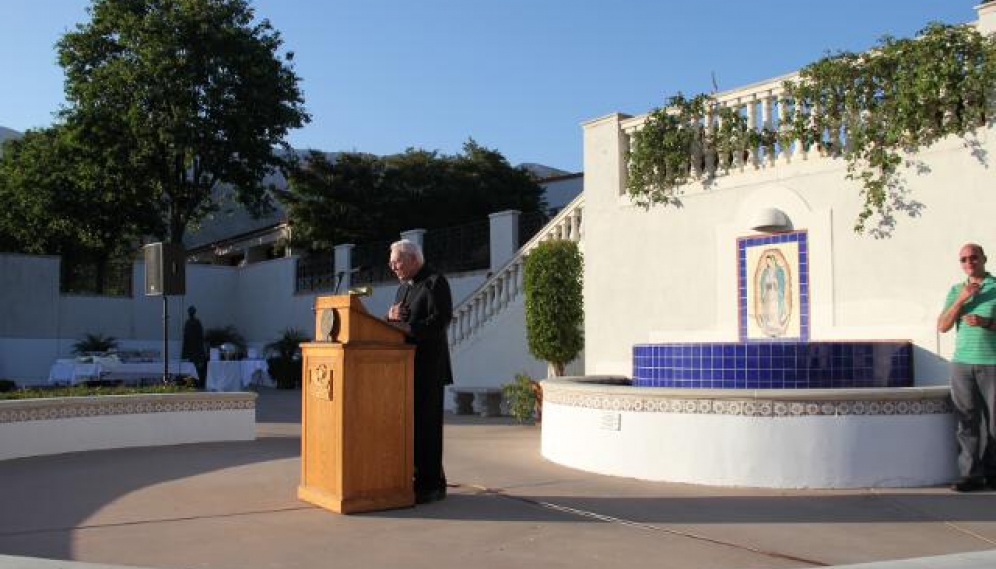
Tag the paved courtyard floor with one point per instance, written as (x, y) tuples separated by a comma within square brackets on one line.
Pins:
[(234, 506)]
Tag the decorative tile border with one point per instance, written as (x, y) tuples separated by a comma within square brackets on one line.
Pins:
[(22, 410), (758, 407)]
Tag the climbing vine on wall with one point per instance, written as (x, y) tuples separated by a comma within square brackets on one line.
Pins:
[(873, 110)]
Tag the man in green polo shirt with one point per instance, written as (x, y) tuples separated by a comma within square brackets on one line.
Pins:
[(970, 307)]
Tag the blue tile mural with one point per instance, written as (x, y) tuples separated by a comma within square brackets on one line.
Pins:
[(774, 365)]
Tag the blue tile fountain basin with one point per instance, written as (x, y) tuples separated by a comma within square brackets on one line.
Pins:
[(774, 365)]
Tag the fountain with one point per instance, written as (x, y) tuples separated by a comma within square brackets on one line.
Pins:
[(773, 409)]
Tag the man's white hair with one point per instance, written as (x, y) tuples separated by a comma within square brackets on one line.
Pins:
[(409, 248)]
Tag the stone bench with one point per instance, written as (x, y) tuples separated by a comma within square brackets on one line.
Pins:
[(483, 401)]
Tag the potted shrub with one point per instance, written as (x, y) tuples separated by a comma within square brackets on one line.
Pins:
[(554, 303), (525, 398), (283, 357), (94, 343)]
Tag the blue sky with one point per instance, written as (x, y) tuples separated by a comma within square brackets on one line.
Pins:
[(519, 76)]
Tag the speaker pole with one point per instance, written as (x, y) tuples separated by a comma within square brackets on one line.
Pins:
[(165, 339)]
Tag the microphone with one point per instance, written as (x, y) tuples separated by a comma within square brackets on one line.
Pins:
[(341, 274), (364, 290)]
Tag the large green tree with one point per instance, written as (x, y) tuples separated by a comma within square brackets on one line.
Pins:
[(60, 199), (359, 197), (187, 96), (333, 202)]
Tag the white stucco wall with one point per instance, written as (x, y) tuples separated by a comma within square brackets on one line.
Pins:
[(38, 325), (785, 452), (669, 274), (35, 427), (498, 350)]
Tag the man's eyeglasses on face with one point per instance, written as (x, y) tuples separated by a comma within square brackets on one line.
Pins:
[(972, 258)]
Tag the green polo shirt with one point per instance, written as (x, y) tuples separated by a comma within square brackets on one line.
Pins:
[(974, 344)]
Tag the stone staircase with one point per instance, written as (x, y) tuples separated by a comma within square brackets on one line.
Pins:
[(487, 335)]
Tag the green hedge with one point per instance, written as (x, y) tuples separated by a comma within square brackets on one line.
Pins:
[(84, 391)]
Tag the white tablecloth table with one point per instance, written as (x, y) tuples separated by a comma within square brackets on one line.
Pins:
[(236, 375), (71, 372), (138, 371)]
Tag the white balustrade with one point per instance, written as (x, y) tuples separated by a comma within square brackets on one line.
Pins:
[(765, 107), (505, 285)]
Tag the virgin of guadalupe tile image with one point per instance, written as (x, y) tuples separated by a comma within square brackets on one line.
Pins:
[(772, 293)]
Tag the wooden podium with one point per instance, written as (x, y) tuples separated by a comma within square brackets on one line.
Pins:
[(356, 411)]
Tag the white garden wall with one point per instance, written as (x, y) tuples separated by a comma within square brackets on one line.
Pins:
[(669, 274), (35, 427), (39, 325)]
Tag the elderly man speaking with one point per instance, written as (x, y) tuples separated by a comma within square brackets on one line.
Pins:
[(423, 308)]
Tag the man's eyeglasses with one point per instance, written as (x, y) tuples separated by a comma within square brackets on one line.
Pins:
[(969, 258)]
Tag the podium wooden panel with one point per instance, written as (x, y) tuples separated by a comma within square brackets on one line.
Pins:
[(356, 412)]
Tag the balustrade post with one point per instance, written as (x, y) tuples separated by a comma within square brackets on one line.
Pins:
[(490, 300), (696, 158), (709, 162), (738, 152), (720, 159), (755, 159), (515, 279), (806, 152), (785, 130), (768, 127)]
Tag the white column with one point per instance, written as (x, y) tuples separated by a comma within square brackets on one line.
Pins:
[(504, 229), (416, 236), (987, 18)]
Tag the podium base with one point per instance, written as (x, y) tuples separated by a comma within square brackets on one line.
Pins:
[(355, 505)]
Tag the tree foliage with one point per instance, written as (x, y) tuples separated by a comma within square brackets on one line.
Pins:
[(674, 147), (554, 304), (891, 102), (184, 96), (874, 110), (360, 197), (61, 199)]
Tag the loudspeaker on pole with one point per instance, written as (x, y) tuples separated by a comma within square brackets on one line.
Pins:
[(165, 269)]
